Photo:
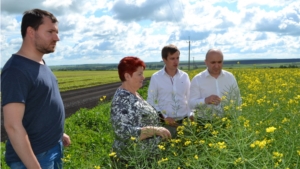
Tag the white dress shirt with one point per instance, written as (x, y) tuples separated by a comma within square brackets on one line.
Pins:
[(170, 95), (203, 85)]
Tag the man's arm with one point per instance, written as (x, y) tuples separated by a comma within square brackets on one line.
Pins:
[(195, 95), (152, 98), (187, 96), (13, 114), (237, 92)]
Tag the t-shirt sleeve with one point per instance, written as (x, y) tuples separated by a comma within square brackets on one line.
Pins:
[(15, 86)]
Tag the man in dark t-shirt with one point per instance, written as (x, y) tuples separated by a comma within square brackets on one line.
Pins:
[(32, 105)]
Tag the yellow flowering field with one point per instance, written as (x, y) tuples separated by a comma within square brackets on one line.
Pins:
[(261, 133)]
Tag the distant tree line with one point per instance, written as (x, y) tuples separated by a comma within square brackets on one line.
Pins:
[(289, 66)]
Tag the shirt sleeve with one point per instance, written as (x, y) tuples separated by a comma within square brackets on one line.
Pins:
[(152, 98), (237, 92), (124, 119), (195, 94), (15, 86), (188, 95)]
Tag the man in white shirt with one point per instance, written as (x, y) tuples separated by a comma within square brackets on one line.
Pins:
[(168, 90), (209, 86)]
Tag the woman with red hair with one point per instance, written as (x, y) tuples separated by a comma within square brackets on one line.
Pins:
[(134, 120)]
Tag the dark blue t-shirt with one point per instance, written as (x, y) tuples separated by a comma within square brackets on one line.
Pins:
[(26, 81)]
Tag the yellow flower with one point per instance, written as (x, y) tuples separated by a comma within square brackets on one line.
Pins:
[(285, 120), (262, 144), (194, 123), (215, 133), (113, 154), (162, 160), (226, 108), (270, 129), (132, 138), (277, 155), (202, 141), (224, 119), (246, 123), (180, 132), (208, 125), (161, 147), (196, 157), (97, 167), (238, 161), (187, 143), (222, 145)]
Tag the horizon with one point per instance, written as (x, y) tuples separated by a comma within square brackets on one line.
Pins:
[(106, 31), (191, 61)]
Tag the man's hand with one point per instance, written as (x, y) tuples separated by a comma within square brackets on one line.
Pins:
[(213, 99), (191, 118), (171, 122), (66, 140)]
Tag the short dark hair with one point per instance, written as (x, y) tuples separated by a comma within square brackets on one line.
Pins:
[(34, 18), (169, 49), (129, 64)]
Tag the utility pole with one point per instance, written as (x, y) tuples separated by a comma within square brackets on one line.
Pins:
[(193, 62), (189, 53)]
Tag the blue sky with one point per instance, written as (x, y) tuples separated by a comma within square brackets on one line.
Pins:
[(104, 31)]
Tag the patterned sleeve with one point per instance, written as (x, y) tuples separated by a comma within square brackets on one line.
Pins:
[(125, 118)]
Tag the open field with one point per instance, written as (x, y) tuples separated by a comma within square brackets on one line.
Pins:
[(263, 133), (70, 80)]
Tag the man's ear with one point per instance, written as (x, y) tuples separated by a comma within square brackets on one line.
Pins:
[(30, 31)]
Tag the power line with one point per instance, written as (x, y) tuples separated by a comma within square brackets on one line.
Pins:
[(172, 12), (189, 53)]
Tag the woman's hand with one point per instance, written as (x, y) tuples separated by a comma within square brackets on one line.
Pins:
[(151, 131), (163, 132)]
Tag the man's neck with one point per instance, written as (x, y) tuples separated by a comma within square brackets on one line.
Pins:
[(215, 75), (31, 54), (171, 72)]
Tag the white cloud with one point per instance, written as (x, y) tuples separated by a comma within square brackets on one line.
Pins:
[(94, 31)]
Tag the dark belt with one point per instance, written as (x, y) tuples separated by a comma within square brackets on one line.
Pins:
[(181, 121), (161, 118)]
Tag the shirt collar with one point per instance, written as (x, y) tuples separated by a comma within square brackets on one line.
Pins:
[(206, 73), (165, 73)]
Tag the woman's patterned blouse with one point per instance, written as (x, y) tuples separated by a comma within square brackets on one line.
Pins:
[(129, 114)]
